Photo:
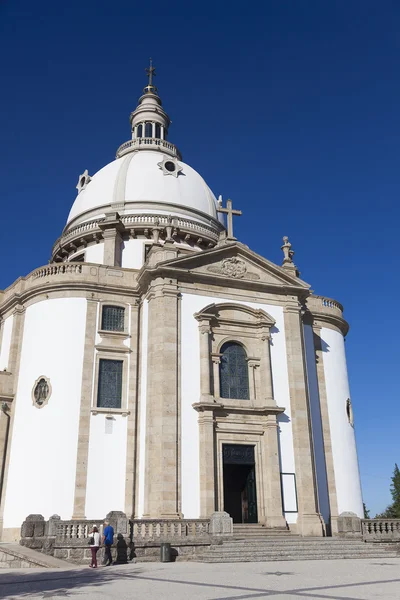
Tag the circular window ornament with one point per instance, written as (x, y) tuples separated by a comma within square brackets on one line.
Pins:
[(83, 180), (349, 412), (41, 391), (170, 166)]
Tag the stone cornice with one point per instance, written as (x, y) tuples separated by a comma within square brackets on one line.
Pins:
[(219, 407)]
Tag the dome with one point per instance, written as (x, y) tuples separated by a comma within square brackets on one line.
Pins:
[(144, 182)]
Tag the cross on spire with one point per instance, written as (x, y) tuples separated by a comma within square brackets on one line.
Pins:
[(151, 72), (229, 211)]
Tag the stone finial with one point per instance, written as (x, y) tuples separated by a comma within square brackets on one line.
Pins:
[(288, 254)]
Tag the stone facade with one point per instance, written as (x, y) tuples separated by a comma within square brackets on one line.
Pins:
[(163, 440)]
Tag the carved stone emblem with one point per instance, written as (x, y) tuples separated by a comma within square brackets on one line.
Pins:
[(233, 267), (41, 392)]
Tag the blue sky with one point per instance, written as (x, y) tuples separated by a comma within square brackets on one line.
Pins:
[(291, 108)]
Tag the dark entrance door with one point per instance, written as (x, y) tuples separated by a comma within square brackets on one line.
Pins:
[(240, 497)]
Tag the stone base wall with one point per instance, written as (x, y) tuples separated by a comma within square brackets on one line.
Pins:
[(11, 561)]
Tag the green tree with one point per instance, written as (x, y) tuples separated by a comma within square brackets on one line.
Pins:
[(366, 512), (395, 491)]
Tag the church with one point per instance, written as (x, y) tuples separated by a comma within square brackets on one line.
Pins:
[(160, 367)]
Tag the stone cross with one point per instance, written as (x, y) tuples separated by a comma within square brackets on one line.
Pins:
[(229, 211), (151, 72)]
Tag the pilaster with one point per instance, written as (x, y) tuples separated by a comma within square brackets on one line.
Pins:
[(84, 417), (162, 470), (112, 228), (273, 494), (13, 367), (309, 521), (132, 423), (326, 431), (207, 460)]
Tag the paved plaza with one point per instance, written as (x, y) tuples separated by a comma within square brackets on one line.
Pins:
[(334, 580)]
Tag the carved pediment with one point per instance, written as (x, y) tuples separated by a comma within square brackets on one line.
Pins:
[(234, 263), (233, 267)]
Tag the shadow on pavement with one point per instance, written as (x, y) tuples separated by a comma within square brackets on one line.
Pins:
[(49, 583)]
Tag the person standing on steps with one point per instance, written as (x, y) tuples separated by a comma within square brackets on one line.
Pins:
[(94, 543), (108, 539)]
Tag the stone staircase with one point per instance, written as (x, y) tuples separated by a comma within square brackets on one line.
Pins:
[(253, 543)]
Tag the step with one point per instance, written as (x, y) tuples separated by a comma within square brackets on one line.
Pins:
[(291, 557)]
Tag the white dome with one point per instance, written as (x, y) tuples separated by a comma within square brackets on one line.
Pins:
[(136, 184)]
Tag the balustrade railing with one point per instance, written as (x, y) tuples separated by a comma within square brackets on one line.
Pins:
[(380, 530), (163, 529), (151, 142), (57, 269), (324, 305), (76, 530)]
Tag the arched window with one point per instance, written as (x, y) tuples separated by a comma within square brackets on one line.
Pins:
[(139, 131), (148, 130), (158, 131), (234, 374)]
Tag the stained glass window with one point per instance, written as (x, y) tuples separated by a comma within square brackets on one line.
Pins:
[(234, 374), (109, 392), (113, 318)]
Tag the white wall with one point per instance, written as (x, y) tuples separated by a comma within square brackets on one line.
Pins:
[(142, 406), (95, 253), (133, 254), (315, 407), (106, 466), (347, 477), (41, 477), (190, 386), (6, 342)]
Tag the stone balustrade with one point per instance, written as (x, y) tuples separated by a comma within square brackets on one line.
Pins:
[(320, 304), (151, 144), (76, 530), (80, 236), (68, 276), (170, 530), (57, 269), (139, 538), (327, 310), (380, 530)]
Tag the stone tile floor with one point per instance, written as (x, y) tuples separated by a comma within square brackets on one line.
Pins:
[(298, 580)]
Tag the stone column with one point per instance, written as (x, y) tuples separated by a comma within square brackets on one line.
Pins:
[(13, 366), (252, 365), (84, 417), (207, 460), (309, 521), (216, 359), (205, 378), (132, 424), (273, 495), (162, 469), (326, 431), (112, 228), (266, 372)]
